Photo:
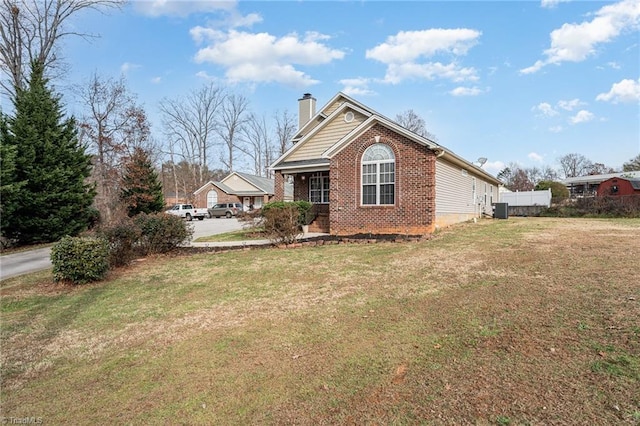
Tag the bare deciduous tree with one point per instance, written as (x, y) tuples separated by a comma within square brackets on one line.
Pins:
[(574, 165), (412, 121), (233, 118), (285, 129), (632, 165), (31, 30), (190, 125), (112, 128), (257, 144)]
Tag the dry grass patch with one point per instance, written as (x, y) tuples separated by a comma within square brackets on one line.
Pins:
[(528, 321)]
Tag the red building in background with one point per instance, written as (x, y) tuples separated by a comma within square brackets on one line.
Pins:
[(619, 186)]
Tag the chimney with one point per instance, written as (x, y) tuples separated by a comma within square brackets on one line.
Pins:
[(306, 109)]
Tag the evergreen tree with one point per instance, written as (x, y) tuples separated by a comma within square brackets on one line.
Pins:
[(8, 185), (141, 190), (54, 199)]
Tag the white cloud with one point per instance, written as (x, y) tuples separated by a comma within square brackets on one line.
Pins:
[(262, 57), (551, 3), (156, 80), (155, 8), (535, 157), (614, 65), (576, 42), (625, 91), (582, 117), (396, 73), (357, 86), (128, 66), (570, 105), (493, 167), (556, 129), (466, 91), (545, 108), (407, 46), (405, 54)]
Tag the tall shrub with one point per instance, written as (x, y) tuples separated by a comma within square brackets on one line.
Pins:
[(282, 221)]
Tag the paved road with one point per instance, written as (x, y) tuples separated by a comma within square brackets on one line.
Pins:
[(25, 262)]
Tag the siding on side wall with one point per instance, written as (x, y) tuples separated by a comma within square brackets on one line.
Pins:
[(326, 138), (454, 194)]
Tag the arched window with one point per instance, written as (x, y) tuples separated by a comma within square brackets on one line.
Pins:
[(378, 175), (212, 198)]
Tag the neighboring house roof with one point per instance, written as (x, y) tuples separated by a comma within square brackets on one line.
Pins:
[(257, 185), (265, 185), (219, 185), (307, 154), (593, 179), (635, 182)]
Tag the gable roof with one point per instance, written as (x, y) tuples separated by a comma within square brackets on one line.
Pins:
[(336, 106), (259, 185), (635, 182), (266, 185)]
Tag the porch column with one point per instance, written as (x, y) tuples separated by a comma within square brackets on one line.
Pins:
[(278, 186)]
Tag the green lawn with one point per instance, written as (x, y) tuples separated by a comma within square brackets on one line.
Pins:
[(519, 321), (240, 235)]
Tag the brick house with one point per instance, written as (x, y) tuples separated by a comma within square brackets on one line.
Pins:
[(250, 190), (365, 173)]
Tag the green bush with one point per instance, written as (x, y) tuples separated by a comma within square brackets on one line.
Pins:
[(162, 232), (558, 190), (122, 239), (80, 259)]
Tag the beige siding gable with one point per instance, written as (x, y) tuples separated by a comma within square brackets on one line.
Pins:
[(330, 134), (236, 183)]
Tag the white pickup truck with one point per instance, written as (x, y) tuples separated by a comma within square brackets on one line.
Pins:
[(187, 211)]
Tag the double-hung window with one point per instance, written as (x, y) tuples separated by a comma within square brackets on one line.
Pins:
[(319, 188), (378, 175)]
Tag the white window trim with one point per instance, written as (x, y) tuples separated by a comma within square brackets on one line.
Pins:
[(378, 184), (324, 178)]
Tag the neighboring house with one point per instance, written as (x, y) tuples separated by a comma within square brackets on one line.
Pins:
[(250, 190), (619, 186), (367, 174), (581, 186)]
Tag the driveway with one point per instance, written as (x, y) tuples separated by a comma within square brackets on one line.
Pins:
[(24, 262), (206, 227), (28, 261)]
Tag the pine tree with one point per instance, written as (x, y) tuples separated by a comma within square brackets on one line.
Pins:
[(54, 199), (141, 190)]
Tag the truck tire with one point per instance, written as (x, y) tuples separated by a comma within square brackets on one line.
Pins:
[(188, 217), (228, 215)]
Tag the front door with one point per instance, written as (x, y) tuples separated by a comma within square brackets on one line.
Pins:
[(246, 202)]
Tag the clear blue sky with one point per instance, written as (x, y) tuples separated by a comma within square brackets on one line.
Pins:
[(512, 81)]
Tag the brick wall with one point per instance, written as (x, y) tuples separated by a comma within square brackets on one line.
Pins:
[(278, 186), (414, 209), (223, 197)]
